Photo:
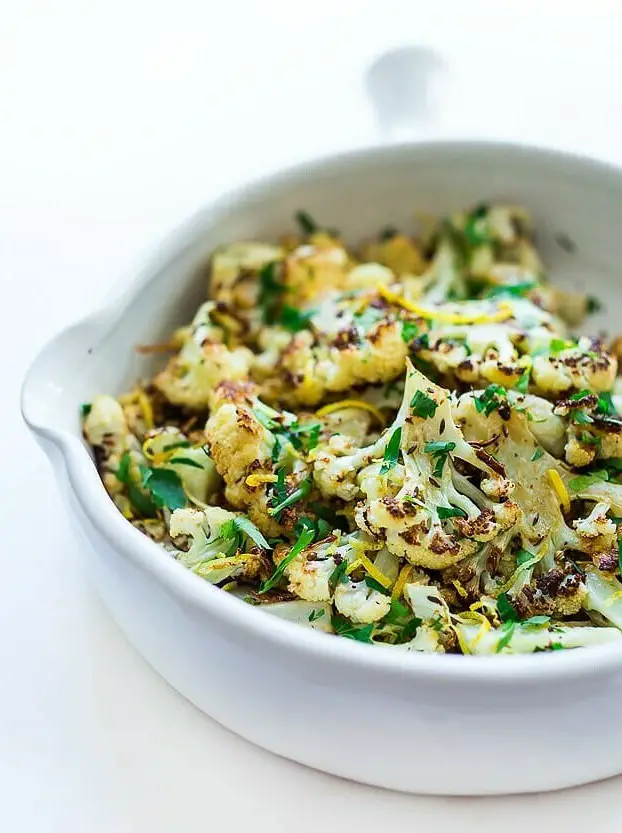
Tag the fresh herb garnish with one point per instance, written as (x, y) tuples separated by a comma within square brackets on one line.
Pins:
[(605, 404), (557, 345), (535, 622), (537, 454), (392, 452), (523, 556), (439, 451), (85, 409), (304, 437), (338, 575), (445, 512), (270, 290), (581, 418), (583, 481), (593, 304), (321, 529), (508, 629), (522, 386), (344, 627), (298, 494), (620, 557), (491, 399), (375, 585), (303, 541), (515, 290), (276, 450), (476, 229), (565, 243), (186, 461), (589, 439), (388, 233), (316, 614), (306, 222), (246, 526), (178, 444), (423, 406), (410, 330), (164, 487), (294, 319), (507, 611)]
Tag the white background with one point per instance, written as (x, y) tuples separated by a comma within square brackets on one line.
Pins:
[(118, 119)]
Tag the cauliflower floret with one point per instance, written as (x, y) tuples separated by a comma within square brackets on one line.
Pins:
[(314, 269), (360, 603), (431, 521), (310, 571), (217, 545), (249, 443), (191, 377), (597, 531), (514, 638), (584, 365), (398, 252)]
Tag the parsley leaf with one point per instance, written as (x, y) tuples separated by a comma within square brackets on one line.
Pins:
[(491, 399), (410, 330), (605, 404), (516, 290), (344, 627), (445, 512), (294, 319), (523, 556), (304, 540), (186, 461), (505, 608), (306, 222), (375, 585), (522, 386), (388, 233), (508, 629), (439, 451), (581, 418), (85, 409), (276, 450), (583, 481), (593, 304), (558, 344), (392, 452), (270, 290), (423, 406), (123, 472), (164, 486), (536, 622), (537, 454), (245, 525), (338, 575), (298, 494), (316, 614)]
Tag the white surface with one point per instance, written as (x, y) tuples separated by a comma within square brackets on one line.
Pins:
[(96, 100)]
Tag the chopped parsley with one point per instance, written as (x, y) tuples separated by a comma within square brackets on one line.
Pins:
[(338, 575), (423, 406), (304, 540), (164, 487), (294, 319), (316, 614), (593, 304), (476, 229), (523, 557), (283, 500), (605, 404), (243, 525), (85, 409), (388, 233), (375, 585), (579, 417), (537, 454), (514, 290), (491, 399), (536, 622), (321, 529), (178, 444), (392, 452), (410, 330), (439, 451), (522, 386), (583, 481), (344, 627), (306, 222), (445, 512), (139, 500), (508, 629), (620, 557), (270, 291), (507, 611), (186, 461), (557, 345)]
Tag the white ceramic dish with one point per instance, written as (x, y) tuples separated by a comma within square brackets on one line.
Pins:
[(433, 724)]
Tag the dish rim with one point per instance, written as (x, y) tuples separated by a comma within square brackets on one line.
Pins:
[(246, 619)]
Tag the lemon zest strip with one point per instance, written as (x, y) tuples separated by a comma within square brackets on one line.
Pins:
[(558, 486), (351, 403), (402, 578), (503, 313)]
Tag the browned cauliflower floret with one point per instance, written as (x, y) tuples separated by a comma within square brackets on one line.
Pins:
[(192, 376)]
